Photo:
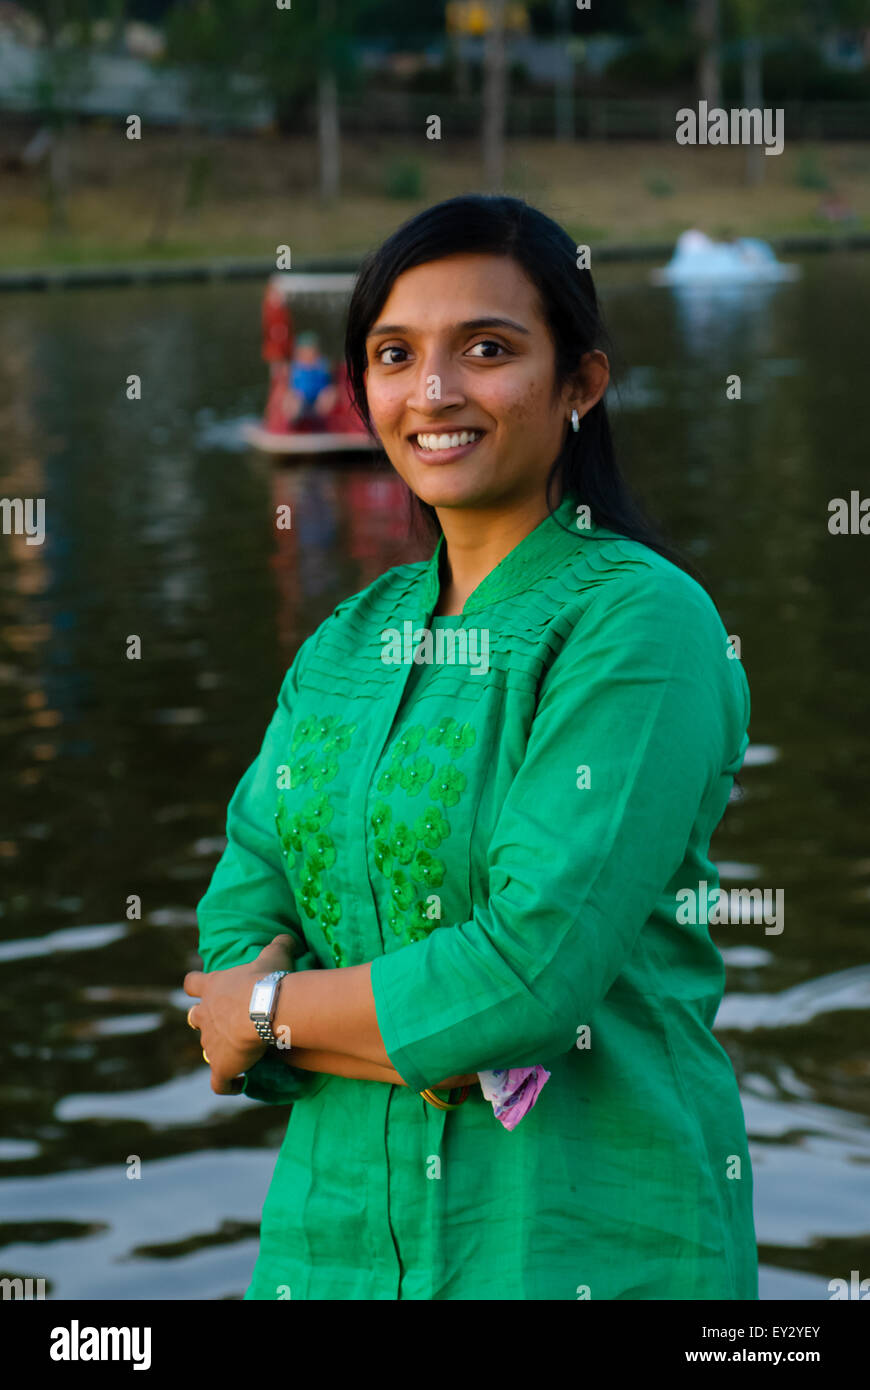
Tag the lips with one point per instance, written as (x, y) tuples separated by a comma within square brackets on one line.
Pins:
[(429, 454)]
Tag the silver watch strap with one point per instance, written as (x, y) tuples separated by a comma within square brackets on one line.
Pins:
[(264, 1026)]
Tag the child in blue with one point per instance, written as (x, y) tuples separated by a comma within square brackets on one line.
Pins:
[(311, 393)]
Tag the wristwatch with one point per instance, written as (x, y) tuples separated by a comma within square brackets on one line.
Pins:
[(264, 997)]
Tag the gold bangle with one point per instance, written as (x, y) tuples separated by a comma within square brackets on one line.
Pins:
[(440, 1104)]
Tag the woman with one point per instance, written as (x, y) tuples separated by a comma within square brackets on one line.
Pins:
[(483, 845)]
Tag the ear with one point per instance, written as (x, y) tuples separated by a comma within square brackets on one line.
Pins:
[(590, 381)]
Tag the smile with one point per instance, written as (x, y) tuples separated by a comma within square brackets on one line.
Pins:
[(444, 447)]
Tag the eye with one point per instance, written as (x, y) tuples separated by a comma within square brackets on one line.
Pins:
[(488, 343), (393, 348)]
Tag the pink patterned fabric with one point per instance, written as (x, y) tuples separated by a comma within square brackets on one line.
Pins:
[(513, 1092)]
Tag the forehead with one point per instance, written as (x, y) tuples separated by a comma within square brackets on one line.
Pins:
[(462, 287)]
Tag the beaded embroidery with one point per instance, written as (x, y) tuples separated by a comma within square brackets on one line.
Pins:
[(305, 833), (402, 853)]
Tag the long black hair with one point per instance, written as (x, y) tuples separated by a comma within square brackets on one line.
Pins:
[(498, 225)]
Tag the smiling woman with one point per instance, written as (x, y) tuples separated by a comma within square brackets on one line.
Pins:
[(479, 869)]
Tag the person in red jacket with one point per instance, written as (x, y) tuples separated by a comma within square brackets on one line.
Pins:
[(277, 349)]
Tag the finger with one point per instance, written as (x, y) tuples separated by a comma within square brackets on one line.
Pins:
[(193, 983), (278, 951), (192, 1016)]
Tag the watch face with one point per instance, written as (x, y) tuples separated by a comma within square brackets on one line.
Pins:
[(260, 999)]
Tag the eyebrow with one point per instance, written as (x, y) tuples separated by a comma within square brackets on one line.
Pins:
[(470, 325)]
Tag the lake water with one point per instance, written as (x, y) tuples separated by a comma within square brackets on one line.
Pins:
[(117, 773)]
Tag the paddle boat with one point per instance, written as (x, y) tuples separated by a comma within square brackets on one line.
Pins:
[(309, 408), (698, 260)]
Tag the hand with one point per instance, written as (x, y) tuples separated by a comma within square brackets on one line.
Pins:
[(229, 1038)]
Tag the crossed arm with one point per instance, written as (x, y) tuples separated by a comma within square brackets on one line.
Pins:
[(326, 1018)]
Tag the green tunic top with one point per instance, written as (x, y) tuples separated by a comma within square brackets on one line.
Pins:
[(502, 826)]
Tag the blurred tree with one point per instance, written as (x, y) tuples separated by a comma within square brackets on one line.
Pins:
[(709, 78), (494, 96), (62, 77), (302, 54)]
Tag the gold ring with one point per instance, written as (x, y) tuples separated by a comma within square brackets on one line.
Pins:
[(189, 1012), (204, 1057)]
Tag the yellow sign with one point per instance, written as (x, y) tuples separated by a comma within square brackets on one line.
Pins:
[(473, 17)]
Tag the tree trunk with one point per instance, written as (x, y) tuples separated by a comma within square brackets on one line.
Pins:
[(753, 97), (57, 180), (328, 135), (565, 78), (460, 68), (709, 70), (495, 98)]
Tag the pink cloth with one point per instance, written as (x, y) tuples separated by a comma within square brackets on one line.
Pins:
[(513, 1092)]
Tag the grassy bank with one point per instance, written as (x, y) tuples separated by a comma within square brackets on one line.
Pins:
[(189, 197)]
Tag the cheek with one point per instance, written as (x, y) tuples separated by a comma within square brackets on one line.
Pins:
[(386, 400), (530, 407)]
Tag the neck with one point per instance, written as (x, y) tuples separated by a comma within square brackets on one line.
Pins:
[(478, 539)]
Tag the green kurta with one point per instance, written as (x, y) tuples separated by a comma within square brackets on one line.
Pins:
[(504, 837)]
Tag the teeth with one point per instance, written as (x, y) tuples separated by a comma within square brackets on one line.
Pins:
[(447, 441)]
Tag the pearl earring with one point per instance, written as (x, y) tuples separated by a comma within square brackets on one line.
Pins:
[(575, 421)]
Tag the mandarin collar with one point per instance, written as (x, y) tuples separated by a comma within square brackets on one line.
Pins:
[(547, 544)]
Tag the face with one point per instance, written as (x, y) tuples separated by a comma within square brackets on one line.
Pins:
[(462, 356)]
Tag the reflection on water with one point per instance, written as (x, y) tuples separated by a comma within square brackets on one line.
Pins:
[(161, 527)]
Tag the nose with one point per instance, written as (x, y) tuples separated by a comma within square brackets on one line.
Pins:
[(436, 384)]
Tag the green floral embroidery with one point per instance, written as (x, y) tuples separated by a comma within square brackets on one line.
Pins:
[(322, 856), (402, 844), (420, 933), (413, 777), (304, 733), (421, 917), (441, 730), (402, 892), (431, 827), (459, 739), (326, 769), (410, 741), (289, 835), (340, 740), (403, 854), (388, 779), (309, 891), (427, 869), (383, 856), (305, 833), (448, 784), (300, 772), (317, 814)]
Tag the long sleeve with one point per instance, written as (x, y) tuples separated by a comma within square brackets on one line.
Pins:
[(249, 901), (644, 696)]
